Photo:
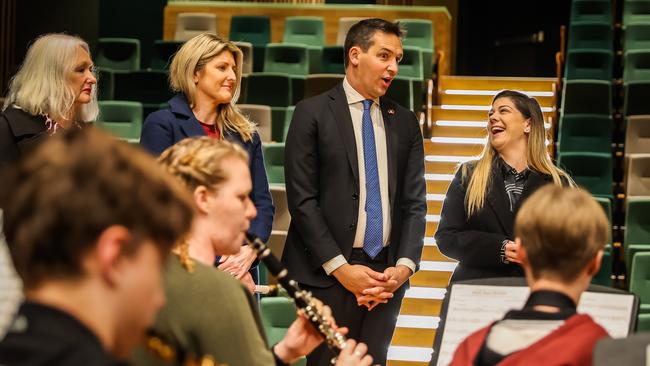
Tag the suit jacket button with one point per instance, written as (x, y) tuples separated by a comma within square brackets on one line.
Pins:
[(352, 226), (355, 196)]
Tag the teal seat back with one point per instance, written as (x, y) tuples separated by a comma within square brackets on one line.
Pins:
[(255, 29), (585, 132), (121, 118), (590, 35), (637, 66), (419, 33), (411, 64), (290, 59), (274, 162), (121, 54), (593, 64), (304, 30), (592, 171)]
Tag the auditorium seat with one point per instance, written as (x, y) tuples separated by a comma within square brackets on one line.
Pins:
[(636, 11), (105, 84), (587, 96), (291, 59), (636, 66), (590, 35), (591, 10), (163, 51), (277, 313), (640, 280), (121, 54), (243, 89), (282, 218), (319, 83), (332, 60), (419, 33), (261, 116), (635, 98), (190, 25), (401, 92), (247, 51), (149, 87), (591, 64), (637, 226), (636, 37), (411, 64), (255, 29), (604, 276), (273, 89), (643, 323), (606, 204), (637, 176), (637, 135), (344, 26), (274, 162), (590, 170), (309, 31), (121, 118), (287, 122), (585, 132)]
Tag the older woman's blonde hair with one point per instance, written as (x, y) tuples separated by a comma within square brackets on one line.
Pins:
[(41, 85), (190, 59), (198, 161), (536, 153)]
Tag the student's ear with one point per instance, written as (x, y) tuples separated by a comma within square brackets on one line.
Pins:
[(201, 199), (521, 253), (108, 252), (594, 265), (353, 55)]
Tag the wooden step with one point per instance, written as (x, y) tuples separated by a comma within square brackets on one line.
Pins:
[(428, 307), (437, 113), (432, 253), (453, 131), (439, 279), (431, 228), (436, 148), (414, 337), (437, 186), (496, 83), (434, 207), (436, 167), (444, 98)]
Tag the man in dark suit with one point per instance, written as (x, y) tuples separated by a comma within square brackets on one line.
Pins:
[(354, 171)]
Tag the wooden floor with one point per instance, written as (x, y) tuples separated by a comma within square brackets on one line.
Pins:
[(458, 134)]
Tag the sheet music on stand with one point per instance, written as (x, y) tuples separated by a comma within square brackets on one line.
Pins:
[(474, 306)]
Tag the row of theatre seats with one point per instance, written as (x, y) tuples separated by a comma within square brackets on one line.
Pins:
[(605, 127)]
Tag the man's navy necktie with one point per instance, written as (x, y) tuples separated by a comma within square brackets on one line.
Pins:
[(374, 235)]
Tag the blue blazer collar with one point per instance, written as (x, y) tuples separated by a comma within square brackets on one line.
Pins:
[(180, 107)]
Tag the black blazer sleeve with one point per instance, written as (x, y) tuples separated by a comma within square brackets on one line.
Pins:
[(301, 169), (413, 198), (460, 238)]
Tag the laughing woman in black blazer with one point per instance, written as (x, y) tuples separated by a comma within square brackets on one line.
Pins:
[(476, 225)]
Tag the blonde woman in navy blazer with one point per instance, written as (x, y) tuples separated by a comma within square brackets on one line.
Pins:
[(206, 73)]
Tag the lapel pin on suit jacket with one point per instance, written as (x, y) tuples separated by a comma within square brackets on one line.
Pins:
[(391, 111)]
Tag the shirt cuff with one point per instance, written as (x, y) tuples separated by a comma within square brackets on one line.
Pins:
[(334, 263), (406, 262)]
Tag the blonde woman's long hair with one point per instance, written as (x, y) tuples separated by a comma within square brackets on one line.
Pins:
[(198, 161), (41, 85), (536, 154), (190, 59)]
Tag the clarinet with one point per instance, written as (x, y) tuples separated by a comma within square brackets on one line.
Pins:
[(302, 298)]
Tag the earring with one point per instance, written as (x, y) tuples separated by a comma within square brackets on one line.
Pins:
[(527, 130)]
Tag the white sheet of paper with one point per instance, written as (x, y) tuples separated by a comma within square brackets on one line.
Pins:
[(466, 315)]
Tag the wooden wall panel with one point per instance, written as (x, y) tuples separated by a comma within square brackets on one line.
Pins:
[(331, 13)]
